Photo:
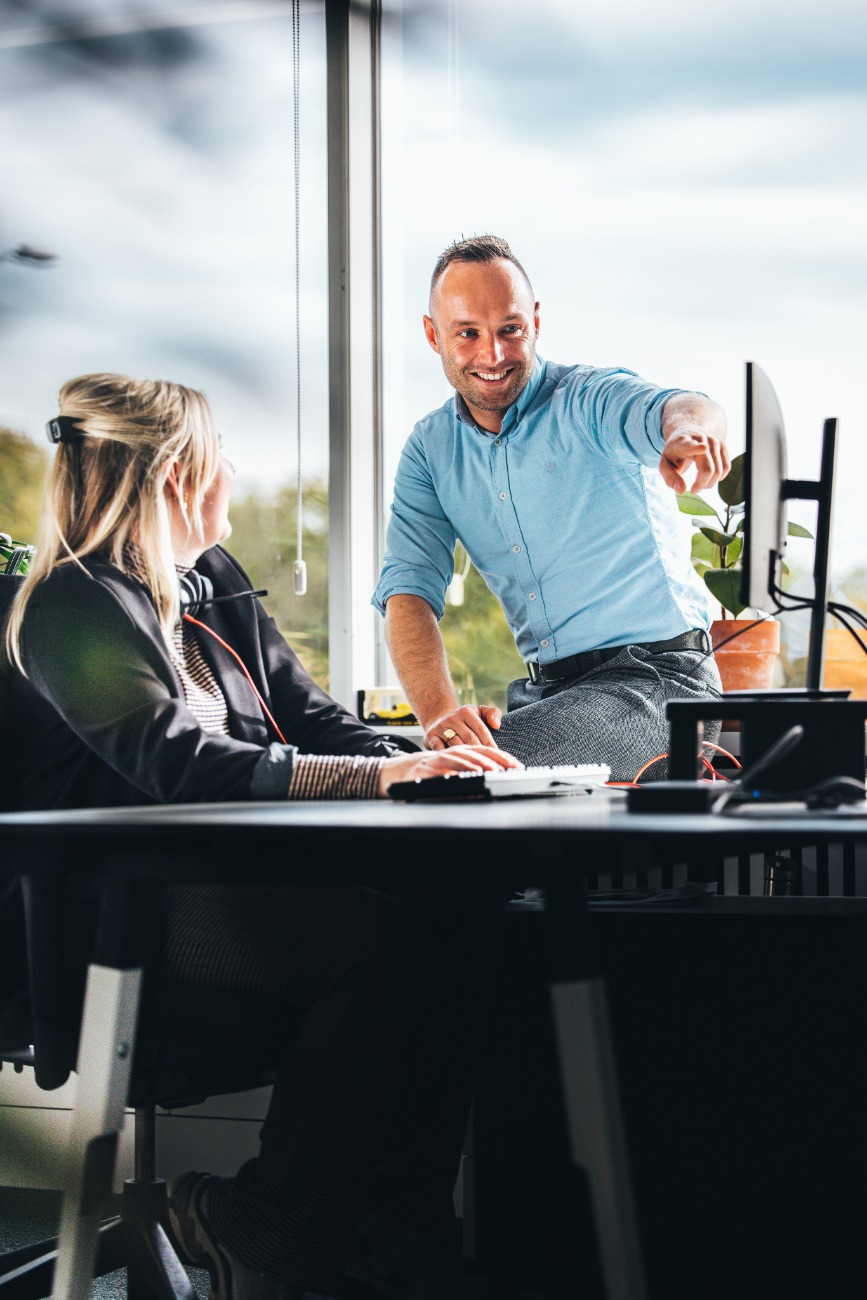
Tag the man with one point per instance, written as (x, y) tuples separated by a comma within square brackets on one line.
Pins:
[(558, 481)]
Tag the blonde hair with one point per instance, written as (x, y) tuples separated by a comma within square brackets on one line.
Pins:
[(106, 491)]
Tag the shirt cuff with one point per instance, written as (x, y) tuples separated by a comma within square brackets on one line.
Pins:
[(334, 776), (383, 594), (272, 772)]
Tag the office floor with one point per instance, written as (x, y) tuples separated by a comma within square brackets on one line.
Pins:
[(27, 1216)]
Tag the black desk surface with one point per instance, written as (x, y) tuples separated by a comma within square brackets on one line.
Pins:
[(551, 816), (547, 834), (554, 842)]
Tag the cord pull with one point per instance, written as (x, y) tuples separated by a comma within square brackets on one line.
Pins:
[(456, 590), (299, 577)]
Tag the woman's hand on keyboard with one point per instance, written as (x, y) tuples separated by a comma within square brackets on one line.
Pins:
[(458, 758)]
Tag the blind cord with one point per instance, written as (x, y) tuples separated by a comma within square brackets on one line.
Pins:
[(299, 568)]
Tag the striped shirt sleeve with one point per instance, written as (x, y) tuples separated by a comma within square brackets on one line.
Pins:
[(334, 776)]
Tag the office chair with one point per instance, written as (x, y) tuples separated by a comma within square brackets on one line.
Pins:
[(191, 1044)]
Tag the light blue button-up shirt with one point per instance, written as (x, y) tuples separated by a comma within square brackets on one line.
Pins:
[(564, 513)]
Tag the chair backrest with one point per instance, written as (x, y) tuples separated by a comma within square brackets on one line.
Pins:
[(15, 1018), (31, 974), (9, 586)]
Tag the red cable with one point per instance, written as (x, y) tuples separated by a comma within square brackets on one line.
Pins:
[(708, 744), (189, 619)]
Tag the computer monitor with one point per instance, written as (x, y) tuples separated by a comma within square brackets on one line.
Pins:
[(767, 489)]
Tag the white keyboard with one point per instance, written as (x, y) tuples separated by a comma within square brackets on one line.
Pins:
[(507, 783)]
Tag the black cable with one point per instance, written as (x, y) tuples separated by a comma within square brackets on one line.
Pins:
[(708, 654), (792, 607), (793, 603), (782, 746), (843, 620), (858, 616), (848, 626)]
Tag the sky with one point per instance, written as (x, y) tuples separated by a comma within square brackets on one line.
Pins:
[(157, 163), (686, 186)]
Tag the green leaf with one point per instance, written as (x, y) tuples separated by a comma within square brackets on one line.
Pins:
[(725, 586), (731, 488), (795, 530), (701, 568), (691, 504), (733, 552), (702, 548), (718, 538)]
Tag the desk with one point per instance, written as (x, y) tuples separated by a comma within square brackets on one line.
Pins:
[(550, 842)]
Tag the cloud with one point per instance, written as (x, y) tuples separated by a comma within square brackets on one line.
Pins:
[(685, 183), (169, 202), (686, 186)]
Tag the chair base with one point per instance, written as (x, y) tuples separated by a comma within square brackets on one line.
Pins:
[(135, 1241)]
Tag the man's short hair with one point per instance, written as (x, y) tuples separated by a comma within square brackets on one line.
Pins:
[(478, 248)]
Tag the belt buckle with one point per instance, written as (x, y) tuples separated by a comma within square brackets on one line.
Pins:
[(533, 672)]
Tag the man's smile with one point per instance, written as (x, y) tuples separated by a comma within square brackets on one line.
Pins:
[(492, 376)]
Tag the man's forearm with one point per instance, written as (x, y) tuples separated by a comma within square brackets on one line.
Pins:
[(695, 412), (694, 429), (417, 651)]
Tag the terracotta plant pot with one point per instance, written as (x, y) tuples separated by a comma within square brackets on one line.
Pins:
[(845, 664), (747, 662)]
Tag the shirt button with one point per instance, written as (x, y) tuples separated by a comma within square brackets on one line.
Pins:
[(516, 549), (532, 595), (498, 442), (543, 643), (503, 496)]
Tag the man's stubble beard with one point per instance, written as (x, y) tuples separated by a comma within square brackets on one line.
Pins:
[(473, 391)]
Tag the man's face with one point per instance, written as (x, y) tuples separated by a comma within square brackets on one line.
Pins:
[(484, 325)]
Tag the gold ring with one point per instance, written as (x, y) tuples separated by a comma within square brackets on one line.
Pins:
[(448, 734)]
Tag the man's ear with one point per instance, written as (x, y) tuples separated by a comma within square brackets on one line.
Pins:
[(536, 317), (430, 333)]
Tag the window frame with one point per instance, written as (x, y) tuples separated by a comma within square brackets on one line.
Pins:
[(356, 525)]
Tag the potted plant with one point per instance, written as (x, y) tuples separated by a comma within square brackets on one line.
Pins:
[(745, 650), (15, 557)]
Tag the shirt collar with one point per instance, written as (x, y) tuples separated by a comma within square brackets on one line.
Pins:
[(515, 412)]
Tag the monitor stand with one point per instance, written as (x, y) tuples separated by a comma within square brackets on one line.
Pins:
[(791, 693), (833, 743)]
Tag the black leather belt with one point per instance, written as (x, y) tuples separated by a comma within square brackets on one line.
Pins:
[(575, 665)]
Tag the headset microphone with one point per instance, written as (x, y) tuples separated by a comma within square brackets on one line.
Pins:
[(196, 591)]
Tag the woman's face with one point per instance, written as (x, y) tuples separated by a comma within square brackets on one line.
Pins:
[(215, 505), (215, 515)]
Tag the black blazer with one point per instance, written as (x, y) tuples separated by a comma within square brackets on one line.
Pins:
[(100, 719)]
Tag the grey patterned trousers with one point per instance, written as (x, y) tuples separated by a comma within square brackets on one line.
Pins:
[(613, 714)]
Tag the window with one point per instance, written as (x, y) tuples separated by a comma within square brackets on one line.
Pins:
[(152, 153), (686, 188)]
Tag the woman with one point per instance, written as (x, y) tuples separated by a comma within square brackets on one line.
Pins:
[(116, 700)]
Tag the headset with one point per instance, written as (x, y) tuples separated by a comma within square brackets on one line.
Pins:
[(196, 591)]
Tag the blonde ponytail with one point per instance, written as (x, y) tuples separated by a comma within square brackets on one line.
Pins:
[(106, 491)]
